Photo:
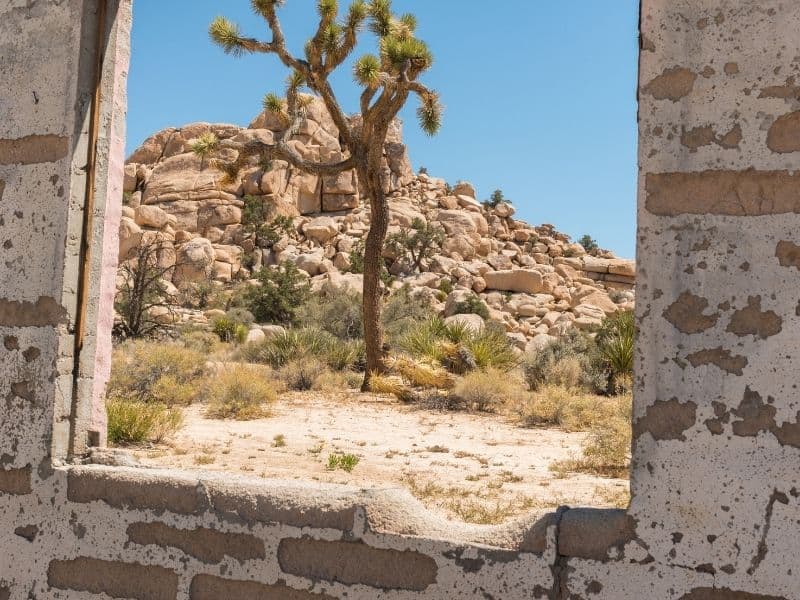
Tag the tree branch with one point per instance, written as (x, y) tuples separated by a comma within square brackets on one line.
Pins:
[(282, 151)]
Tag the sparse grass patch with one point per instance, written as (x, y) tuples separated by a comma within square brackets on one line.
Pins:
[(242, 393), (301, 374), (605, 453), (279, 441), (135, 422)]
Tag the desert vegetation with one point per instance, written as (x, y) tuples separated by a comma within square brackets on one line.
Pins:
[(240, 364)]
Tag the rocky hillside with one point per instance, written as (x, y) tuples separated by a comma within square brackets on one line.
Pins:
[(532, 278)]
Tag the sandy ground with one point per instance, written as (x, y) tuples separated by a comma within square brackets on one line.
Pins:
[(475, 468)]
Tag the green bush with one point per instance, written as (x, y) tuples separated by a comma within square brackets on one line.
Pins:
[(233, 326), (472, 305), (458, 347), (281, 291), (335, 310), (416, 244), (295, 344), (402, 311), (136, 422), (615, 342), (558, 362), (589, 244)]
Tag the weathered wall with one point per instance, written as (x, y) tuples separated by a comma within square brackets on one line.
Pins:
[(715, 508)]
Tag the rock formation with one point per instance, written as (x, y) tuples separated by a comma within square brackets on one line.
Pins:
[(533, 279)]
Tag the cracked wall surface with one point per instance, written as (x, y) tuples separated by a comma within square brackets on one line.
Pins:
[(716, 427)]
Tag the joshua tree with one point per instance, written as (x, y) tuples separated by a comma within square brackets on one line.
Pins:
[(387, 79)]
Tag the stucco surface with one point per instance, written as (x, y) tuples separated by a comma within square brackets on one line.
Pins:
[(716, 417)]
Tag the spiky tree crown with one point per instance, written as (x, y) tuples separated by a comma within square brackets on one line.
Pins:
[(401, 57)]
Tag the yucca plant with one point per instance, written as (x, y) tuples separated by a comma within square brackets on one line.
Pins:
[(615, 341), (387, 80)]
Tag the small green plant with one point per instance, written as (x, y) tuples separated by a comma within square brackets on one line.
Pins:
[(615, 341), (446, 286), (278, 295), (472, 305), (259, 220), (345, 462), (416, 244), (495, 199), (588, 243), (204, 146), (279, 441), (233, 326), (136, 422)]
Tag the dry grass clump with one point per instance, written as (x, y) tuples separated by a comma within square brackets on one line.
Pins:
[(301, 374), (240, 393), (422, 374), (489, 390), (149, 372), (573, 409), (135, 422), (606, 451), (337, 381), (391, 385)]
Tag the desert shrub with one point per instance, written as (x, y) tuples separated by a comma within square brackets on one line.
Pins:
[(570, 361), (335, 310), (294, 344), (422, 374), (334, 381), (241, 392), (136, 422), (492, 348), (615, 342), (472, 305), (202, 295), (606, 451), (489, 390), (588, 243), (341, 356), (390, 385), (446, 286), (402, 311), (169, 374), (258, 219), (495, 199), (301, 374), (416, 244), (458, 347), (278, 295), (199, 340), (571, 409), (233, 326)]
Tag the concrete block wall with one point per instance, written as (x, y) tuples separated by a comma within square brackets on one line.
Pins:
[(716, 436)]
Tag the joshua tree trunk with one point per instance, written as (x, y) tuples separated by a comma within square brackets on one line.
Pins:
[(373, 265), (386, 79)]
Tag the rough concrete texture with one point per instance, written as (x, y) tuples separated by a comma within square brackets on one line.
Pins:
[(716, 420)]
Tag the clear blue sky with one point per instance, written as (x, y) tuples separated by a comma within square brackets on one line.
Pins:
[(540, 96)]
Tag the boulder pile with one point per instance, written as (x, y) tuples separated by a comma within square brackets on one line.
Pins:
[(533, 279)]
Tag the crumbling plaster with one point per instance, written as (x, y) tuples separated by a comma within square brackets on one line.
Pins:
[(716, 435)]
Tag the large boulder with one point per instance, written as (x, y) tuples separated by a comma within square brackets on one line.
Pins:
[(474, 323), (130, 236), (195, 261), (526, 281), (321, 229), (187, 177), (151, 216)]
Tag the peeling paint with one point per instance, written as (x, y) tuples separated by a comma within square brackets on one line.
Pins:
[(673, 84)]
